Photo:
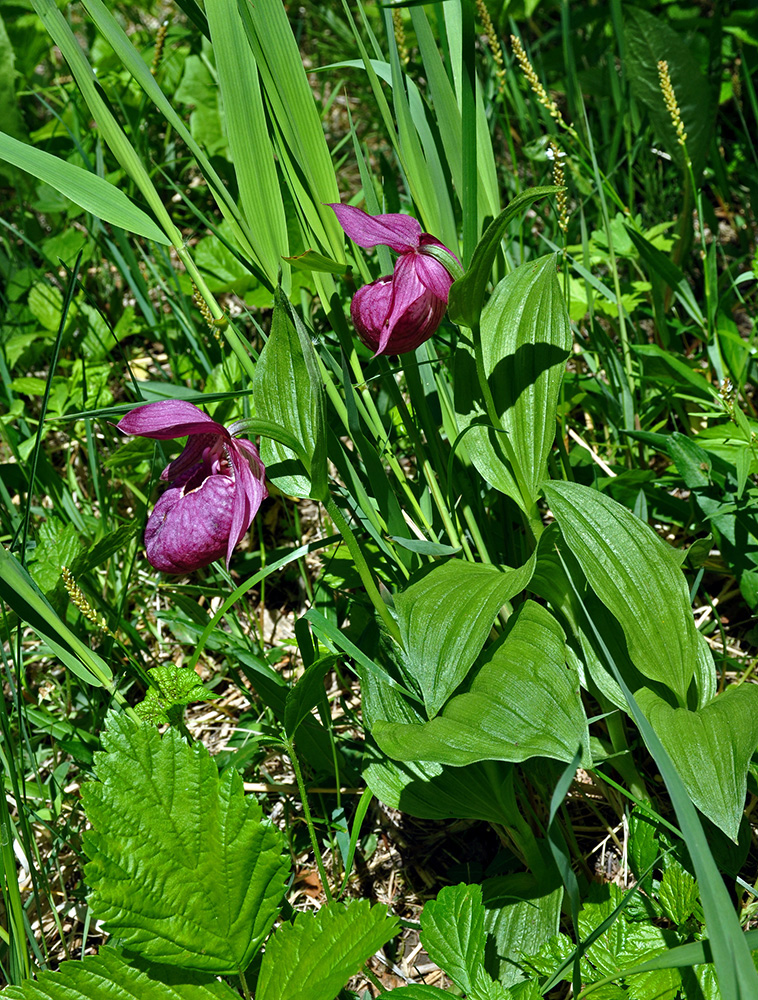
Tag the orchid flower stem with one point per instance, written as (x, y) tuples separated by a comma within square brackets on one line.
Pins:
[(232, 337), (292, 754), (243, 983), (361, 565), (339, 405)]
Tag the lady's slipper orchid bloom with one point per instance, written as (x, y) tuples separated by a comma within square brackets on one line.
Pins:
[(217, 485), (396, 313)]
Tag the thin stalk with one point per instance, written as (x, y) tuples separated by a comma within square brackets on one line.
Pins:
[(361, 565), (290, 747), (624, 763)]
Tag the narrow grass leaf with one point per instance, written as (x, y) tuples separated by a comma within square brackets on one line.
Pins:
[(87, 190)]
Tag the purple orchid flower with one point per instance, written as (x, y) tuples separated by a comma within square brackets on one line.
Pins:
[(396, 313), (217, 486)]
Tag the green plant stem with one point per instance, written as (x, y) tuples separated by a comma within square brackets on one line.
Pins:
[(624, 763), (245, 988), (361, 565), (290, 747)]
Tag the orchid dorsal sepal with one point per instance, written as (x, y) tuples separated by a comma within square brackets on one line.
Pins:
[(445, 257), (270, 429)]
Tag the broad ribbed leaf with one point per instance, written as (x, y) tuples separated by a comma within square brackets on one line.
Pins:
[(711, 749), (522, 913), (87, 190), (524, 702), (452, 931), (288, 391), (525, 342), (184, 868), (446, 617), (638, 578), (314, 957), (106, 976), (467, 293)]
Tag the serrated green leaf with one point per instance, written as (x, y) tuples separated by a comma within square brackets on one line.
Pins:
[(523, 702), (90, 191), (663, 984), (418, 992), (711, 749), (172, 687), (638, 578), (452, 931), (106, 976), (485, 988), (677, 893), (446, 617), (184, 868), (525, 341), (288, 390), (313, 958)]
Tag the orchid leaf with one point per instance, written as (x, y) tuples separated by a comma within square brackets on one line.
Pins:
[(288, 391), (184, 869), (445, 619), (467, 293), (711, 749), (525, 341), (523, 702), (638, 578)]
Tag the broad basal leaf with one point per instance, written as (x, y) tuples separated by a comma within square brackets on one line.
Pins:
[(184, 868), (107, 976), (525, 342), (452, 931), (638, 578), (523, 702), (446, 617), (288, 391), (711, 749), (314, 957)]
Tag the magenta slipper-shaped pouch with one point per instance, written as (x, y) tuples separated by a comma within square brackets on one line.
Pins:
[(217, 486), (396, 313)]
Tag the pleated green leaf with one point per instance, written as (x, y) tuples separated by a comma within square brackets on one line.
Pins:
[(526, 339), (185, 870), (106, 976), (524, 702), (92, 193), (445, 619), (711, 749), (638, 578)]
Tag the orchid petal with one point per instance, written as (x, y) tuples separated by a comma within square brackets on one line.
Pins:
[(189, 461), (433, 274), (399, 232), (186, 531), (167, 419), (250, 490), (407, 289), (369, 310)]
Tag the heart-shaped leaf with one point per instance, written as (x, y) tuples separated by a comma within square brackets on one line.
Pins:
[(523, 702), (445, 618), (711, 749)]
